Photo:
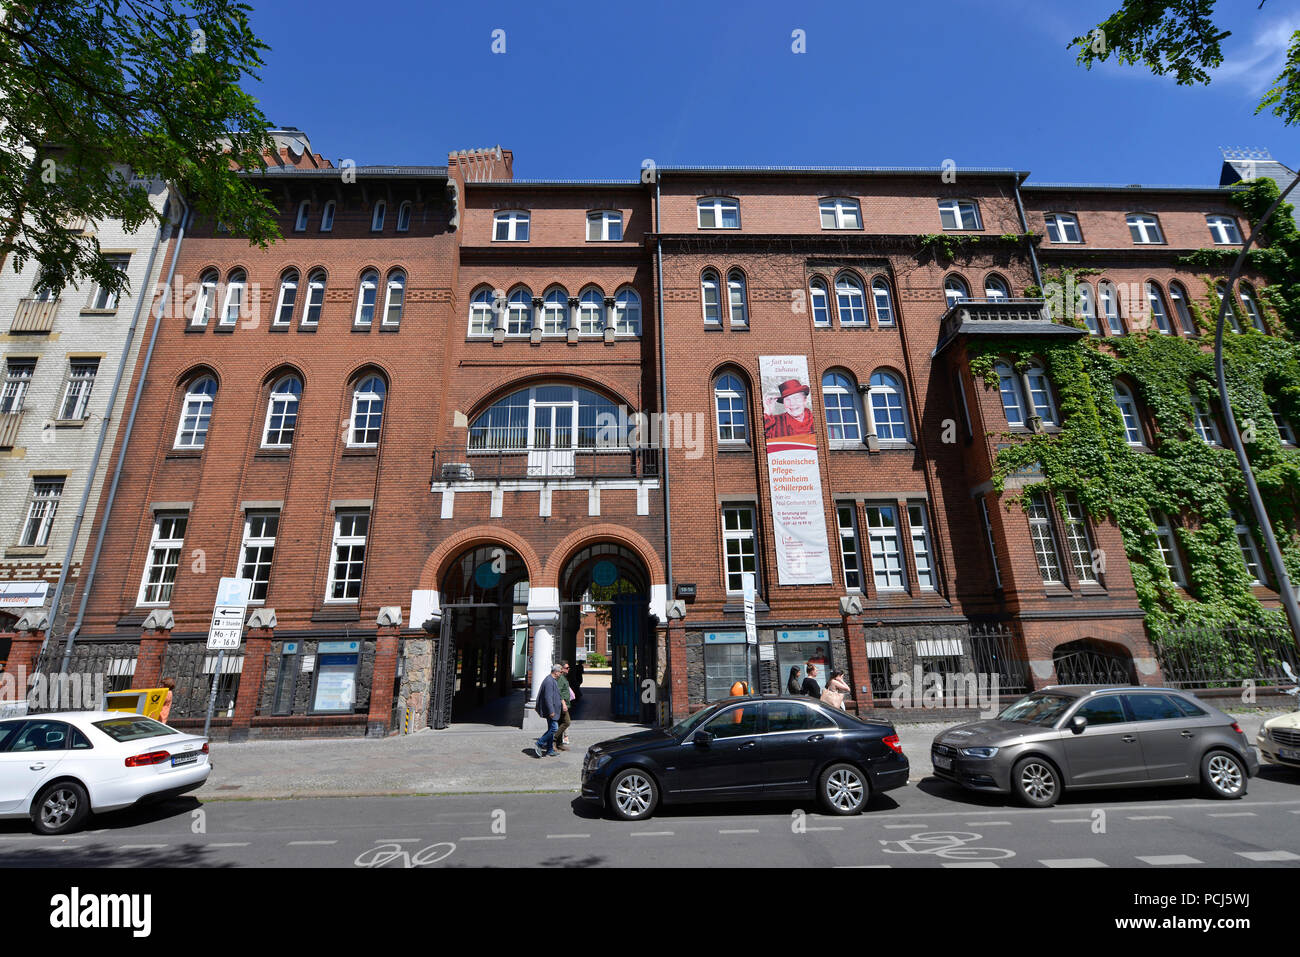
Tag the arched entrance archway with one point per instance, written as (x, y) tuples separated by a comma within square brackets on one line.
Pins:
[(604, 610), (1091, 662), (484, 597)]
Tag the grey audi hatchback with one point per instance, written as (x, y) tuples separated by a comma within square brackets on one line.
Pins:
[(1083, 737)]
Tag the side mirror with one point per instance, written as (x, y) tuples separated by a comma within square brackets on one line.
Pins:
[(1078, 723), (704, 739)]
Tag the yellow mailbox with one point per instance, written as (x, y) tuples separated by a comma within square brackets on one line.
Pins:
[(145, 701)]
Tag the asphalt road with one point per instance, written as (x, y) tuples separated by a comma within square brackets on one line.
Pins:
[(926, 824)]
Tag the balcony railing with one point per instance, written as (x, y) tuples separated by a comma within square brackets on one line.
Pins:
[(458, 464), (34, 315), (9, 422)]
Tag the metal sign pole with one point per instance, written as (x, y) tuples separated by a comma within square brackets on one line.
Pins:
[(212, 698)]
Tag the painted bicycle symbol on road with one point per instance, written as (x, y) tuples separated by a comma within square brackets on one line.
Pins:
[(386, 853), (950, 845)]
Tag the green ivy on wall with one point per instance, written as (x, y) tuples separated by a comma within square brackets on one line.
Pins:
[(1197, 485)]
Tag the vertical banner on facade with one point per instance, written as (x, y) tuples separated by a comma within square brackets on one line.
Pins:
[(798, 514)]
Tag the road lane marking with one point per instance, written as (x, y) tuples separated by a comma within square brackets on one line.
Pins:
[(904, 825), (485, 837), (969, 864), (738, 830), (1073, 862), (1169, 860), (651, 833), (1268, 855), (859, 866), (230, 844), (1235, 814), (988, 823), (140, 847), (563, 837), (400, 840), (309, 843), (1151, 817), (1070, 820), (835, 828)]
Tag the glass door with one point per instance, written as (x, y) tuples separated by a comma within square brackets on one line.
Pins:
[(552, 448)]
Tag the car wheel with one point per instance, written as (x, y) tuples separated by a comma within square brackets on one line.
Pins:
[(1036, 782), (1223, 775), (60, 808), (633, 795), (844, 789)]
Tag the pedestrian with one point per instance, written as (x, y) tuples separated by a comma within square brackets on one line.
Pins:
[(575, 679), (810, 686), (166, 709), (793, 684), (548, 708), (836, 690), (566, 698)]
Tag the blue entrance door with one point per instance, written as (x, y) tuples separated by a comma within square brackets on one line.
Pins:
[(625, 640)]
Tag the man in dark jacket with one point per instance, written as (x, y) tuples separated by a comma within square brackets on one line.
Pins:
[(810, 686), (548, 707)]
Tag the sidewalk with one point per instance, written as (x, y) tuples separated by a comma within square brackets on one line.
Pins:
[(463, 759)]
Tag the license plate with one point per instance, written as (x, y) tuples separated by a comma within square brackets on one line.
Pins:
[(1291, 754), (188, 758), (941, 762)]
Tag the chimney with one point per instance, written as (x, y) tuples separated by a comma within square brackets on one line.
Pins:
[(481, 165)]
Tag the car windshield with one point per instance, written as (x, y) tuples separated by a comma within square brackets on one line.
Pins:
[(1040, 709), (133, 728), (684, 727)]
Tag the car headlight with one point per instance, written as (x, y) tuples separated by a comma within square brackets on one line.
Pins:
[(601, 761), (979, 752)]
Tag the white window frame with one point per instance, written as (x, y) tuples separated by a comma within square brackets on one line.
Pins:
[(627, 312), (259, 560), (842, 398), (205, 304), (103, 299), (349, 541), (1131, 417), (954, 214), (1063, 228), (555, 312), (816, 290), (955, 290), (1206, 427), (851, 301), (233, 302), (711, 297), (1086, 308), (1167, 543), (404, 213), (1223, 229), (378, 213), (880, 291), (369, 397), (1010, 387), (519, 312), (160, 556), (1250, 303), (285, 413), (1144, 229), (886, 545), (718, 207), (327, 217), (741, 536), (205, 404), (591, 312), (77, 389), (1178, 296), (1249, 551), (18, 379), (988, 535), (996, 288), (517, 223), (289, 292), (1042, 534), (367, 286), (841, 210), (316, 282), (875, 389), (1284, 431), (735, 397), (606, 222), (304, 213), (850, 545), (1078, 541), (394, 298), (1041, 384), (737, 298), (1156, 306), (42, 506), (482, 312), (1108, 299), (1220, 290), (918, 523)]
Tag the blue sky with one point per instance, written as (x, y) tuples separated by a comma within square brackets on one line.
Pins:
[(589, 90)]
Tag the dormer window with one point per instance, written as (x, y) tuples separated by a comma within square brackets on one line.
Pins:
[(510, 226), (1224, 230), (304, 210), (404, 217), (959, 214), (604, 226), (1145, 229), (838, 213), (716, 212), (377, 217), (1062, 228)]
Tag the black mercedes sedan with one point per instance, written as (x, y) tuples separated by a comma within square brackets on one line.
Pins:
[(743, 749)]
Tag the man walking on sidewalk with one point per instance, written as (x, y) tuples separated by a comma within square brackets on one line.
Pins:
[(548, 707), (562, 735)]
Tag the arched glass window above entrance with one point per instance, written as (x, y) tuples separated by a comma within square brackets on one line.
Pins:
[(551, 417)]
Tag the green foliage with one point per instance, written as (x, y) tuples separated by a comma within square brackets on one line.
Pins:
[(596, 660), (1180, 37), (95, 90), (1196, 484)]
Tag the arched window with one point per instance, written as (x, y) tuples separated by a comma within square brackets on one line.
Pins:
[(366, 297), (821, 312), (404, 217), (1012, 393), (377, 216), (196, 413), (736, 298), (1040, 393), (729, 404), (591, 312), (1178, 296), (1109, 296), (1221, 290), (1128, 410), (395, 298), (881, 299), (1087, 308), (995, 288), (519, 312), (840, 398), (555, 312), (553, 418), (234, 304), (1206, 427), (205, 304), (849, 299), (888, 410), (1247, 295), (304, 211), (327, 217), (315, 297), (481, 315), (367, 412), (709, 296), (627, 312), (1159, 315), (955, 290), (287, 298), (282, 413)]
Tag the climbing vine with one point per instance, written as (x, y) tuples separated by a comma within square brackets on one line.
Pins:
[(1196, 484)]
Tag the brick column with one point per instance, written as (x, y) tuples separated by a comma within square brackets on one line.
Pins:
[(24, 648), (678, 694), (859, 667), (389, 624), (149, 661), (257, 645)]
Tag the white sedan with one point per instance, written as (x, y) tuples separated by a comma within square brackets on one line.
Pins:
[(1279, 740), (59, 768)]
